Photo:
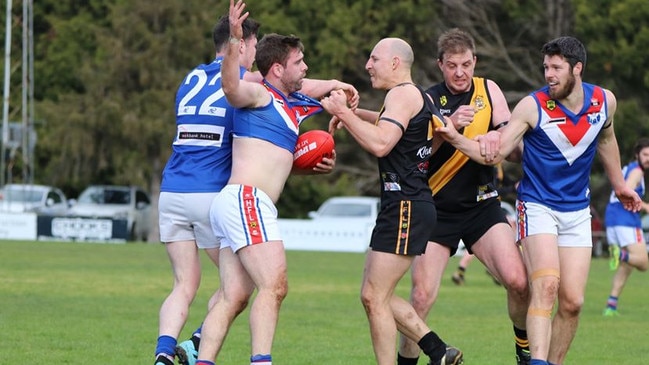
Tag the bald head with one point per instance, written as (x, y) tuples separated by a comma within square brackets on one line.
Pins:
[(390, 63), (397, 47)]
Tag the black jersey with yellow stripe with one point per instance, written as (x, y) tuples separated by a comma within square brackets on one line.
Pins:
[(457, 182)]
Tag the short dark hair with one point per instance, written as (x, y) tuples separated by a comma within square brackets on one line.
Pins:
[(454, 41), (569, 48), (221, 31), (275, 48)]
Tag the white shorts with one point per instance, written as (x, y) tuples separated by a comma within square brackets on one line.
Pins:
[(186, 217), (242, 216), (624, 236), (573, 229)]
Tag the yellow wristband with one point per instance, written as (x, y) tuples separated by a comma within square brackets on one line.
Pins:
[(234, 40)]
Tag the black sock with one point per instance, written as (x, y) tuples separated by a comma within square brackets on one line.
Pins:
[(432, 345), (196, 340), (406, 360), (520, 336), (461, 269)]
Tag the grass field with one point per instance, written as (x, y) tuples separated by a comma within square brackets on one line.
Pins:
[(74, 303)]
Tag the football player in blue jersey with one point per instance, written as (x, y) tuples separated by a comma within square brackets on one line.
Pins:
[(198, 168), (243, 215), (624, 228)]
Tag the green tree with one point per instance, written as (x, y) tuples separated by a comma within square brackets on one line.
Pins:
[(118, 126), (616, 33), (107, 72), (338, 38)]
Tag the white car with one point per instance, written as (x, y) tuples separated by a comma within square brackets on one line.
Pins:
[(346, 207), (341, 224), (117, 202), (40, 199)]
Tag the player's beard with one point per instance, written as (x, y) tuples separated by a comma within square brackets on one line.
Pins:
[(292, 85), (644, 164), (563, 92)]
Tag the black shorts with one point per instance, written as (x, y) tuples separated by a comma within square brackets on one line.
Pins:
[(468, 225), (404, 227)]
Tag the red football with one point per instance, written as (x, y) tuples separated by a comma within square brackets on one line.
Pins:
[(311, 148)]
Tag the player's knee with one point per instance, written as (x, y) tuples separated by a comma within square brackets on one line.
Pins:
[(279, 290), (282, 290), (643, 264), (369, 299), (185, 290), (235, 303), (240, 305), (545, 283), (422, 299), (518, 291), (571, 306), (516, 283)]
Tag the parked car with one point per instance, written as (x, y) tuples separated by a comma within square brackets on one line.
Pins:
[(117, 202), (40, 199), (341, 224), (345, 207)]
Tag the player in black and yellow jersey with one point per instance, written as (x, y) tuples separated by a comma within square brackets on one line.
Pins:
[(467, 202)]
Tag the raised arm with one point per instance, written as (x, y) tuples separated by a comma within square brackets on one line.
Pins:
[(239, 93)]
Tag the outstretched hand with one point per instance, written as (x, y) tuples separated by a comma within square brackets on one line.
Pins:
[(629, 199), (236, 17)]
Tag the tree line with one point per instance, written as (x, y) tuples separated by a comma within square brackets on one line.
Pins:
[(106, 72)]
